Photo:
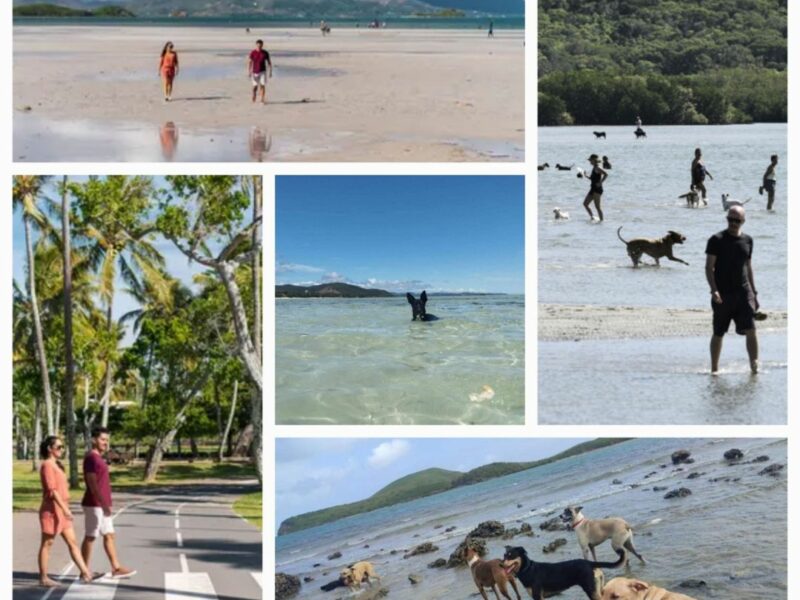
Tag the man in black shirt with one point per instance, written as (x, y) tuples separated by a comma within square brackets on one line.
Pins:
[(729, 273)]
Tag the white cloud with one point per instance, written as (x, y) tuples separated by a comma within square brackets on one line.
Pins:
[(388, 452), (282, 267)]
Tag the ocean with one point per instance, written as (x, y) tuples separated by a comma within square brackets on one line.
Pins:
[(363, 361), (585, 263), (729, 533)]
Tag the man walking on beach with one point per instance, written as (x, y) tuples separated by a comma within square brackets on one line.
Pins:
[(257, 70), (729, 273), (97, 504), (768, 181), (699, 173)]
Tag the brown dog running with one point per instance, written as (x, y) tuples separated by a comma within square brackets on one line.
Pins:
[(356, 573), (489, 573), (621, 588), (655, 248)]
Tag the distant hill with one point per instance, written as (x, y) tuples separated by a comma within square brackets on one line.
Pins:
[(495, 7), (429, 482), (54, 10), (329, 290)]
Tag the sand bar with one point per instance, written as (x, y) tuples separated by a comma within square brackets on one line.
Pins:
[(366, 95), (560, 322)]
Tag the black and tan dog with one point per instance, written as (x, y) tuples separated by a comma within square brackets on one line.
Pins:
[(542, 579), (655, 248), (491, 574)]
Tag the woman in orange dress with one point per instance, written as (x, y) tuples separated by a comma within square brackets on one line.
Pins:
[(168, 69), (55, 516)]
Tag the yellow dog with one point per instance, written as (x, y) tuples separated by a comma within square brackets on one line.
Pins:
[(353, 575)]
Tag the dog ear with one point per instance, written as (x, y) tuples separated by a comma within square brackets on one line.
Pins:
[(424, 296), (638, 586), (578, 509), (410, 298)]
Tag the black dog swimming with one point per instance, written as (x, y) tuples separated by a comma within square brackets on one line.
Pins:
[(549, 578), (599, 134), (418, 308), (336, 583), (639, 133)]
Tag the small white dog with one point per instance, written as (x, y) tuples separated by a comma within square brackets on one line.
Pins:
[(728, 204), (560, 215)]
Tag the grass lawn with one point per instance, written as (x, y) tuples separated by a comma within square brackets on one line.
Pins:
[(28, 490), (249, 507)]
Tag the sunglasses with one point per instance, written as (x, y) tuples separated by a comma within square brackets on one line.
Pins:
[(735, 220), (59, 447)]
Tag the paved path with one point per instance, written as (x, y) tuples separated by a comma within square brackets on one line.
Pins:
[(185, 542)]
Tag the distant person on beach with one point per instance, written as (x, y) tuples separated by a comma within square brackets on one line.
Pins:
[(257, 70), (55, 517), (638, 122), (768, 181), (596, 178), (97, 504), (168, 69), (729, 273), (491, 29), (699, 173)]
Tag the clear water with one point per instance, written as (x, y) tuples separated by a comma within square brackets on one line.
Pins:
[(355, 361), (658, 381), (732, 535)]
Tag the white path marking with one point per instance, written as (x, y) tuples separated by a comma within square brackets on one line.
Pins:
[(259, 577), (188, 586), (184, 564), (100, 589), (180, 539)]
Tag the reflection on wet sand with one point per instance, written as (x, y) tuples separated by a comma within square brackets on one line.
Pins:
[(168, 136), (260, 144)]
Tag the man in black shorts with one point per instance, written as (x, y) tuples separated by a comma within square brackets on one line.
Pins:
[(699, 173), (729, 273), (768, 181)]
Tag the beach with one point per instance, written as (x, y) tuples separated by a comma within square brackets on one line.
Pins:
[(719, 533), (94, 93)]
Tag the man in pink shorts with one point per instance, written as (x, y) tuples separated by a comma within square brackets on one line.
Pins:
[(97, 504)]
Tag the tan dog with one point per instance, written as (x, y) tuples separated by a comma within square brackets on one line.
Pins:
[(353, 575), (621, 588), (655, 248), (593, 532), (489, 573)]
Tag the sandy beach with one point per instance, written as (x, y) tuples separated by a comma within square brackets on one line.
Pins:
[(559, 322), (93, 92)]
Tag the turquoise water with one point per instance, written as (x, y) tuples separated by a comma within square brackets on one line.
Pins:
[(730, 534), (356, 361)]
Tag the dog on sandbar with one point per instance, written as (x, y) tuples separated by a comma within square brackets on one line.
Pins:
[(593, 532), (658, 248), (727, 203), (560, 215), (359, 572), (599, 134), (489, 573)]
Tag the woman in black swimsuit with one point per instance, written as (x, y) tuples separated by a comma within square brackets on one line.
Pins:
[(597, 177)]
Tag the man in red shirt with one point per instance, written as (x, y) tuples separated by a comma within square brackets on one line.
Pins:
[(97, 504), (257, 65)]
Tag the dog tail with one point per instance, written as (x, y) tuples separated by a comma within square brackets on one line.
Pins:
[(620, 237), (614, 565)]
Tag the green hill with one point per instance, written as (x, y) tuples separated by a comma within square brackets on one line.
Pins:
[(329, 290), (715, 61), (429, 482), (54, 10)]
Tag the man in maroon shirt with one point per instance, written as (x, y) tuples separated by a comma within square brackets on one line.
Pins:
[(97, 504), (257, 65)]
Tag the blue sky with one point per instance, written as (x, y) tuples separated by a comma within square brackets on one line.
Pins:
[(177, 264), (316, 473), (402, 233)]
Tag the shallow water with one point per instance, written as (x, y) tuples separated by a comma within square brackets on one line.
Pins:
[(352, 361), (732, 535), (585, 263)]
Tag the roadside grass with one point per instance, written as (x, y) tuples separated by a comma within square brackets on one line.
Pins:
[(249, 507), (27, 491)]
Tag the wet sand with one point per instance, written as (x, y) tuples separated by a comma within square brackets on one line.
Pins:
[(560, 322), (410, 95)]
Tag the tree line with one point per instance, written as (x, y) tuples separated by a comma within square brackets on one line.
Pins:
[(193, 369)]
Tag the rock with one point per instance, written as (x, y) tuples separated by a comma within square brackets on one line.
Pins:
[(759, 459), (679, 493), (680, 456), (554, 545), (488, 529), (307, 579), (554, 524), (659, 488), (457, 557), (617, 482), (393, 552), (416, 535), (694, 475), (286, 586), (526, 528), (510, 533), (519, 505), (692, 584), (366, 545), (421, 549), (438, 526), (651, 473), (635, 485), (335, 555), (437, 564), (315, 565), (414, 579), (373, 593), (449, 529), (772, 470), (733, 454)]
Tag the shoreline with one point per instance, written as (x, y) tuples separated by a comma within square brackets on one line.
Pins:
[(563, 322)]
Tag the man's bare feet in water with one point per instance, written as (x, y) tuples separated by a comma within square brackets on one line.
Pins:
[(754, 367), (48, 583)]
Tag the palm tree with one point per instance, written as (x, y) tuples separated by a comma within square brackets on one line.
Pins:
[(112, 213), (26, 191)]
